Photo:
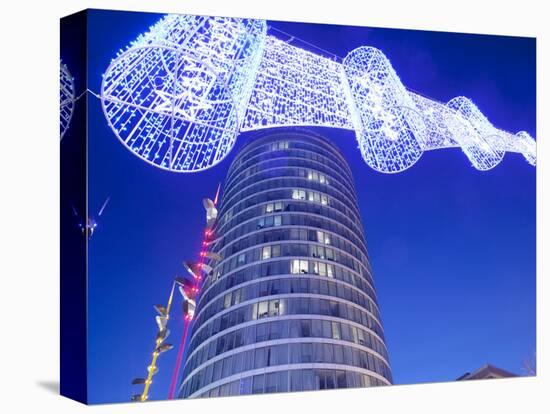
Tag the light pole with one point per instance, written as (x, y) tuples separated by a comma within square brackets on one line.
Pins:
[(189, 290), (162, 334), (196, 270)]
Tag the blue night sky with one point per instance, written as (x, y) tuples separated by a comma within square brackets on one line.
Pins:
[(452, 248)]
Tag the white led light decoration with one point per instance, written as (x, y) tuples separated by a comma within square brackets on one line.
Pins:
[(180, 94), (527, 146), (478, 138), (66, 98), (386, 122), (177, 97), (295, 87)]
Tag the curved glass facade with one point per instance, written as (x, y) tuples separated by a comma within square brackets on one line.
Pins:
[(291, 306)]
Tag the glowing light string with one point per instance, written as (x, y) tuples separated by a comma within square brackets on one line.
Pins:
[(180, 94)]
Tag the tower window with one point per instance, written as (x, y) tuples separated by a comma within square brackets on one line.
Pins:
[(299, 267)]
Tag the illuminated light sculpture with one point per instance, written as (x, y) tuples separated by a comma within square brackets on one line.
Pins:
[(528, 147), (66, 98), (177, 97), (389, 129), (478, 138), (180, 94)]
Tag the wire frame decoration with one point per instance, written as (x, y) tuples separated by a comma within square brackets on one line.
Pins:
[(66, 98), (478, 138), (180, 94), (295, 87), (386, 122), (177, 96)]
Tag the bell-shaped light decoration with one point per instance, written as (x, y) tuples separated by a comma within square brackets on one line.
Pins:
[(211, 212), (162, 335), (206, 268), (161, 322), (213, 256), (164, 348), (192, 268), (161, 310), (189, 308)]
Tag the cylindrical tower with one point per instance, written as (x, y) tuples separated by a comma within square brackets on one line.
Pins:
[(291, 306)]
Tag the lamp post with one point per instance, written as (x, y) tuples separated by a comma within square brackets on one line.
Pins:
[(162, 334), (196, 270), (189, 290)]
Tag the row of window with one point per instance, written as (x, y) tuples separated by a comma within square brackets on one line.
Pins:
[(281, 329), (292, 234), (299, 183), (306, 173), (299, 267), (363, 295), (293, 353), (308, 178), (319, 147), (311, 196), (289, 219), (305, 283), (295, 380), (286, 286), (290, 172), (291, 250), (278, 163), (206, 325), (352, 222), (313, 152)]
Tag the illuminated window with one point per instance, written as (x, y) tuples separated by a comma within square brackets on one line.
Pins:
[(273, 307), (266, 252), (298, 194), (330, 270), (241, 259), (324, 200), (227, 301), (317, 251), (280, 145), (277, 220), (323, 237), (315, 176), (299, 267), (336, 330), (262, 309), (273, 207), (361, 337), (236, 299)]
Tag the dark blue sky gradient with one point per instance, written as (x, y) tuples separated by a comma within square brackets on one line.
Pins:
[(453, 249)]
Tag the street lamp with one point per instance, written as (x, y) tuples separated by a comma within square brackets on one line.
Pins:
[(162, 322)]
